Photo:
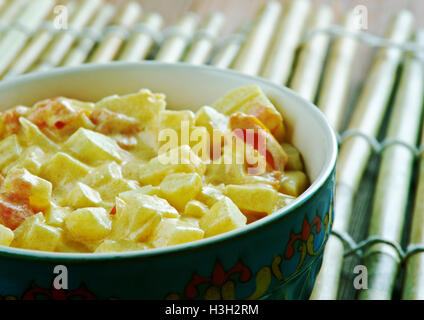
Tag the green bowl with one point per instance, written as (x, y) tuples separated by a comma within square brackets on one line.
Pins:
[(277, 257)]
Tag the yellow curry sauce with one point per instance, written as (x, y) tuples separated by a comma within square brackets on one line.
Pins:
[(126, 173)]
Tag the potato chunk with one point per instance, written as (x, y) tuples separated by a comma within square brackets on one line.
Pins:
[(150, 190), (103, 174), (180, 188), (88, 224), (294, 162), (144, 106), (81, 196), (254, 197), (92, 147), (56, 215), (31, 159), (172, 232), (222, 217), (158, 168), (209, 195), (6, 236), (149, 203), (195, 209), (283, 201), (10, 150), (252, 100), (137, 217), (34, 137), (62, 168), (26, 186), (211, 119), (34, 234), (173, 119), (293, 183)]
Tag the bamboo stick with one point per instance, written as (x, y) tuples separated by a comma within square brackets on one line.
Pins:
[(82, 49), (413, 287), (11, 10), (173, 47), (36, 46), (110, 45), (2, 6), (141, 42), (279, 62), (355, 151), (337, 77), (394, 178), (63, 41), (253, 51), (201, 48), (227, 53), (14, 39), (312, 55)]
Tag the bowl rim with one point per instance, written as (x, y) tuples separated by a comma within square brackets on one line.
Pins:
[(321, 180)]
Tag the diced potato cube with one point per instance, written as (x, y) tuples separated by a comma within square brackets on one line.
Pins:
[(185, 161), (93, 147), (293, 183), (34, 234), (173, 119), (31, 159), (209, 195), (67, 244), (224, 216), (149, 203), (144, 106), (252, 100), (150, 190), (195, 209), (180, 188), (103, 174), (62, 168), (294, 162), (282, 201), (120, 246), (131, 168), (56, 215), (81, 196), (6, 236), (110, 190), (28, 186), (254, 197), (108, 181), (172, 232), (88, 224), (211, 119), (180, 122), (33, 136), (136, 218), (10, 150)]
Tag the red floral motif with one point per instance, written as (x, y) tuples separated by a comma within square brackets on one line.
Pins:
[(219, 277), (52, 293), (303, 235)]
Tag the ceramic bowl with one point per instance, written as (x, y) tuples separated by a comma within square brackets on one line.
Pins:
[(277, 257)]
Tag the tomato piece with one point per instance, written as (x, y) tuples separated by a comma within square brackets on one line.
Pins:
[(12, 214), (10, 120), (242, 134), (113, 211), (58, 117)]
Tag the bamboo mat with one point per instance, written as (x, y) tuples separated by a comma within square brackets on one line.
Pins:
[(303, 45)]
